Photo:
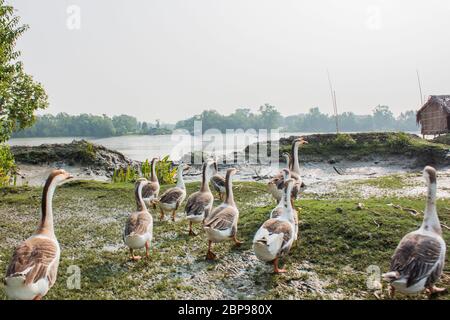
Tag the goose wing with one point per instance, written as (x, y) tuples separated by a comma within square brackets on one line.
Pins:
[(172, 195), (138, 223), (197, 203), (218, 181), (275, 226), (416, 257), (150, 189), (222, 218), (32, 259)]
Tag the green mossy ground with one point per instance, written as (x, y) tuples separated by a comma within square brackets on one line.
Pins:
[(337, 244), (362, 146)]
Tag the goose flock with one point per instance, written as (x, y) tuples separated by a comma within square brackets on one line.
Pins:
[(417, 263)]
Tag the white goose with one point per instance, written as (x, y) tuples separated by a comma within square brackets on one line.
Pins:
[(34, 265), (276, 236), (200, 203), (221, 224), (151, 190), (418, 261), (171, 200), (138, 231)]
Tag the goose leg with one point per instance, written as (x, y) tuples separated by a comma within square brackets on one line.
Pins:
[(191, 232), (210, 255), (173, 215), (38, 297), (147, 247), (391, 292), (236, 241), (276, 269), (161, 216)]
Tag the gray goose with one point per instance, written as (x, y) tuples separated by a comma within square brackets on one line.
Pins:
[(418, 261), (138, 231), (34, 265), (280, 209), (276, 184), (151, 190), (221, 223), (218, 183), (275, 237), (171, 200), (200, 203)]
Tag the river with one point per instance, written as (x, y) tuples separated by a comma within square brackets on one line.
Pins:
[(141, 147)]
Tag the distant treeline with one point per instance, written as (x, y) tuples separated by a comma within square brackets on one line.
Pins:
[(88, 125), (267, 117)]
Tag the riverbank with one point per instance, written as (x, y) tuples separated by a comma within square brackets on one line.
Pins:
[(337, 243), (376, 146)]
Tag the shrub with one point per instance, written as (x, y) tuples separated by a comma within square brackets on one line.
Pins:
[(164, 171), (344, 140), (398, 140), (7, 166)]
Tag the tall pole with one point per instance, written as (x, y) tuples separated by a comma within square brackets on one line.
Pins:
[(420, 87), (333, 100)]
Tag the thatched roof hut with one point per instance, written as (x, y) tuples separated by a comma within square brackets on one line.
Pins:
[(434, 116)]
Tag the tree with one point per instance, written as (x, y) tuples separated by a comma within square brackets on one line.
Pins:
[(20, 95), (269, 118), (383, 118)]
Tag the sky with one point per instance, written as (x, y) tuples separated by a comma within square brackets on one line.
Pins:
[(171, 59)]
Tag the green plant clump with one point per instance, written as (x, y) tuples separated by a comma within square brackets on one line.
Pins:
[(7, 166)]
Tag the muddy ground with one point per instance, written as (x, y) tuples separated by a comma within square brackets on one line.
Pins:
[(337, 244)]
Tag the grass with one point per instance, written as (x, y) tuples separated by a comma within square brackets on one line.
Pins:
[(395, 181), (337, 244)]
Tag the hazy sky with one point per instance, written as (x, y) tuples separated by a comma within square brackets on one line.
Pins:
[(170, 59)]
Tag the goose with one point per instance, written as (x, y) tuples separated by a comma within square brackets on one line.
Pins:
[(418, 261), (171, 200), (218, 183), (138, 231), (221, 223), (276, 184), (34, 265), (276, 236), (200, 203), (283, 205), (150, 190)]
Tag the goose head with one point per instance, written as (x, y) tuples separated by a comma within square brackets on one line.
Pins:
[(286, 174), (60, 176), (300, 141), (429, 173)]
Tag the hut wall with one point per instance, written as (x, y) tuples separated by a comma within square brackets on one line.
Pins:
[(434, 120)]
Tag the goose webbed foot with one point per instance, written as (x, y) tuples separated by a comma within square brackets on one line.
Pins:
[(210, 255), (237, 242), (133, 257), (191, 232), (436, 291)]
